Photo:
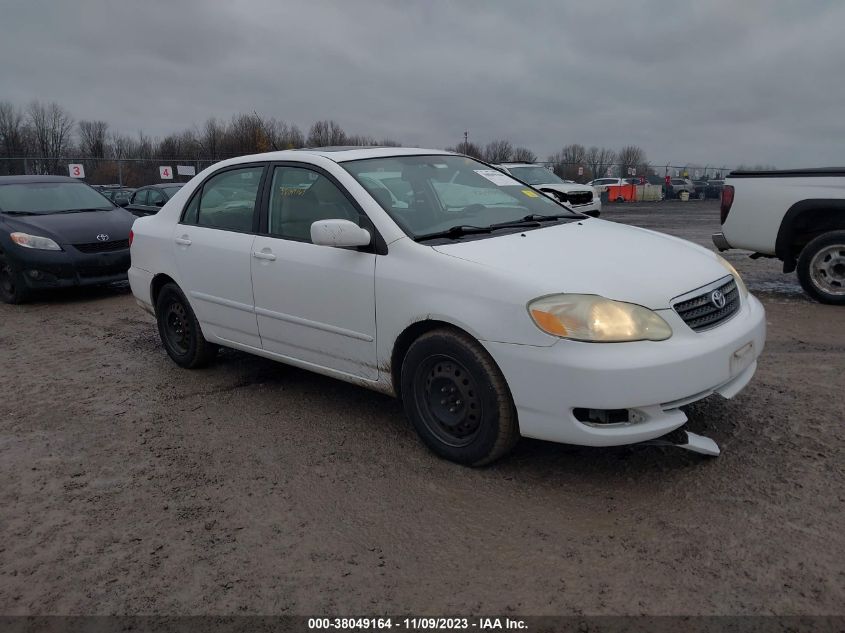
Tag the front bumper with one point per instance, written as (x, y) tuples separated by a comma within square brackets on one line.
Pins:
[(651, 379), (721, 242), (69, 267), (593, 208)]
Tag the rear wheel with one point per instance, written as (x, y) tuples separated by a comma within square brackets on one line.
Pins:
[(821, 268), (13, 288), (180, 331), (457, 398)]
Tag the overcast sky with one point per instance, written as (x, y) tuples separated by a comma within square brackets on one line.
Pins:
[(710, 81)]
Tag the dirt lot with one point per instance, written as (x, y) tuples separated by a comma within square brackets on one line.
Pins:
[(132, 486)]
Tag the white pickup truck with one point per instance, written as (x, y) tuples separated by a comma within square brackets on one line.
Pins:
[(796, 216)]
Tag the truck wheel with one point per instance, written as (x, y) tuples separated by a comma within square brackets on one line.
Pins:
[(821, 268), (180, 331), (457, 398)]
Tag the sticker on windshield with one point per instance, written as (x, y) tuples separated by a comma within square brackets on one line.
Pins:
[(530, 194), (497, 177)]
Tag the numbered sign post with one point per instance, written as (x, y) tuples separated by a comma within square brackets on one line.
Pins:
[(580, 171), (165, 172), (76, 170)]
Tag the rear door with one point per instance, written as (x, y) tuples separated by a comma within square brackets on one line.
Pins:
[(315, 304), (213, 244)]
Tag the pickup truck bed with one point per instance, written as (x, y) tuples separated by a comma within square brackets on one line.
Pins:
[(797, 216)]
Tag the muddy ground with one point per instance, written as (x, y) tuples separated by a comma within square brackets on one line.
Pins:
[(130, 486)]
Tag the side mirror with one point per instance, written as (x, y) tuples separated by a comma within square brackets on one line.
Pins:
[(339, 233), (160, 203)]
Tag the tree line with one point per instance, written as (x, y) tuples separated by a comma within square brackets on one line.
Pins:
[(40, 137)]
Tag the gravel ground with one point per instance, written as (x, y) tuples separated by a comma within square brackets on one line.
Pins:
[(130, 486)]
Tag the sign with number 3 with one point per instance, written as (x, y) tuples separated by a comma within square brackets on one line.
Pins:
[(76, 170)]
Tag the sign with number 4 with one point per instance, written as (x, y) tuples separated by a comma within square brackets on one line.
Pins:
[(76, 170), (166, 172)]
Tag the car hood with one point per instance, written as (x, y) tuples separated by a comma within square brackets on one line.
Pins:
[(565, 187), (75, 228), (596, 257)]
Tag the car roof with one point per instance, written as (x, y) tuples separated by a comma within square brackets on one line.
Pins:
[(22, 180), (162, 185), (342, 154)]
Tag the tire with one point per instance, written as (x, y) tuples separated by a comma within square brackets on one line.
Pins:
[(13, 288), (474, 422), (701, 195), (821, 268), (180, 331)]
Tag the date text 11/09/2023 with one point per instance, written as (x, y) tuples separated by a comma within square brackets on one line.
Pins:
[(413, 624)]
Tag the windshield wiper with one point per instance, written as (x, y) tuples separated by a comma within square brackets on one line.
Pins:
[(19, 212), (458, 230), (82, 210), (540, 217)]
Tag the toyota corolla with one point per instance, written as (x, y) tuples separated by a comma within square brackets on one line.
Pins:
[(490, 309)]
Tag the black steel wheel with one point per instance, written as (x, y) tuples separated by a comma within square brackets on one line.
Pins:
[(180, 331), (447, 396), (457, 398)]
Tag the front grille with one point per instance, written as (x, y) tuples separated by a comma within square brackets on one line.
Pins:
[(110, 270), (702, 313), (102, 247), (578, 197)]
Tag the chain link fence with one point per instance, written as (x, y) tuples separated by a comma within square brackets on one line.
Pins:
[(617, 182)]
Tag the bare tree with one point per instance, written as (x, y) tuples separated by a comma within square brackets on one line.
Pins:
[(92, 139), (566, 162), (326, 134), (632, 156), (51, 127), (13, 137), (524, 155), (599, 159), (210, 138), (499, 151), (469, 148)]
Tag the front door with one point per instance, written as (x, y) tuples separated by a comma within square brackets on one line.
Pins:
[(314, 303)]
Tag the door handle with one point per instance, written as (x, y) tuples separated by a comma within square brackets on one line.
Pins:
[(183, 241), (264, 255)]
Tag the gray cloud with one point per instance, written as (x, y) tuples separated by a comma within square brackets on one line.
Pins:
[(710, 82)]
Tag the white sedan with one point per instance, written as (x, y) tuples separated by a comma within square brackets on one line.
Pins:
[(491, 310)]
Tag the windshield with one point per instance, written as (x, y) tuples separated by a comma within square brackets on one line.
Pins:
[(535, 175), (427, 194), (50, 197)]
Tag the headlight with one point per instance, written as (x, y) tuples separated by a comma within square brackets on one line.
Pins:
[(743, 291), (35, 241), (594, 318)]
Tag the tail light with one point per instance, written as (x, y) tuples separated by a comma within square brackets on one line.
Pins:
[(131, 236), (727, 201)]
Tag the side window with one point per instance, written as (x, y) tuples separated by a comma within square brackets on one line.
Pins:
[(299, 198), (227, 200), (191, 212), (156, 198), (140, 197)]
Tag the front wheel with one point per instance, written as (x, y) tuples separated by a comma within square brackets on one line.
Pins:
[(13, 288), (821, 268), (180, 331), (457, 398)]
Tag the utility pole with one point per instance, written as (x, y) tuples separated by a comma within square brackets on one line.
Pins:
[(466, 140)]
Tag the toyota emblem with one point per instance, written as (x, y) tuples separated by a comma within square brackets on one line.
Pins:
[(102, 237), (718, 299)]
